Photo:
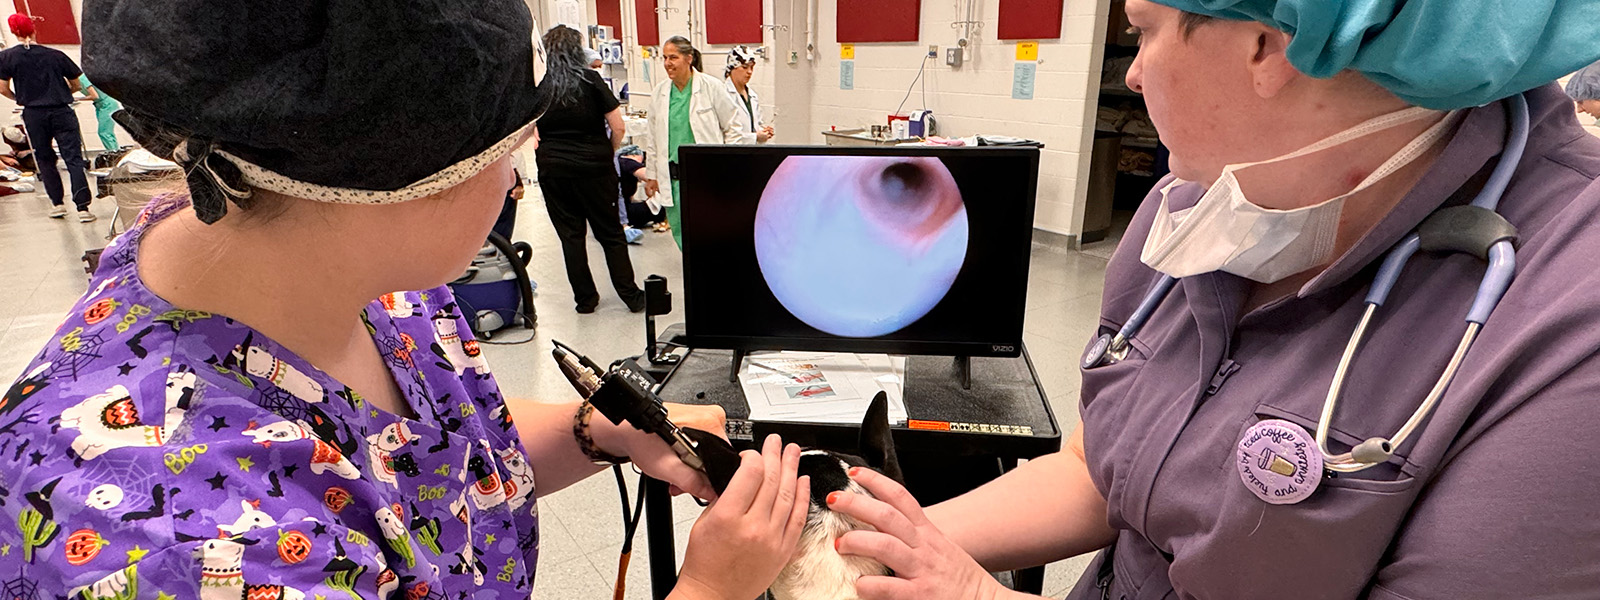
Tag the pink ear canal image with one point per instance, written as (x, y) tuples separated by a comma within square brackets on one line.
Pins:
[(860, 246)]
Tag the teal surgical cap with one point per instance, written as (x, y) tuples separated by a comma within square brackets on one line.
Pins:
[(1585, 85), (1440, 54)]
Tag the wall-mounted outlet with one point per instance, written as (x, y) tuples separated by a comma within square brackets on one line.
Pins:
[(933, 51), (952, 57), (794, 57)]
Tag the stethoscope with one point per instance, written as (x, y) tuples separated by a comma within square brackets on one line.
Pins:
[(1474, 229)]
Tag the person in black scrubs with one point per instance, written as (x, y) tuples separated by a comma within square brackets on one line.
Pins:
[(576, 172), (43, 80)]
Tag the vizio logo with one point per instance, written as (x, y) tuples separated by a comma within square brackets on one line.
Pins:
[(1002, 349)]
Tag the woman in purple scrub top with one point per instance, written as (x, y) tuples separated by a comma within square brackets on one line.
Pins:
[(1308, 138)]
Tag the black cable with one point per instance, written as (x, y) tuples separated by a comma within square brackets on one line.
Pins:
[(524, 283), (622, 488), (531, 336), (913, 86), (630, 520), (558, 344), (630, 526), (517, 255)]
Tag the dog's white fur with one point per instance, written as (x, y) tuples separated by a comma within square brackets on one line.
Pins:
[(818, 572)]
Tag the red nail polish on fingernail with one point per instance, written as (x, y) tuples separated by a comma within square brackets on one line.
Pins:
[(854, 471), (835, 544), (833, 497)]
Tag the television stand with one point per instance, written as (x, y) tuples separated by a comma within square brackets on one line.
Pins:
[(1004, 417), (733, 368), (964, 371)]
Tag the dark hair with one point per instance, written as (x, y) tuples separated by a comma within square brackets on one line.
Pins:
[(687, 47), (564, 65), (1191, 21)]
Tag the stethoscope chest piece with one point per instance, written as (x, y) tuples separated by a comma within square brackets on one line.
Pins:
[(1279, 462), (1097, 352)]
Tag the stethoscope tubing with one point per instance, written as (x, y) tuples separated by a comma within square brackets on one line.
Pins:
[(1497, 279)]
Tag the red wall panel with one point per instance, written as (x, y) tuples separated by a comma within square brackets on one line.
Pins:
[(1030, 19), (733, 21), (878, 20), (647, 22), (52, 20), (609, 13)]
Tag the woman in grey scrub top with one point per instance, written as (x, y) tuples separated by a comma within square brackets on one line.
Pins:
[(1308, 138)]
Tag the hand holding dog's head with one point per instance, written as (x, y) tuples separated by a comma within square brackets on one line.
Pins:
[(818, 571)]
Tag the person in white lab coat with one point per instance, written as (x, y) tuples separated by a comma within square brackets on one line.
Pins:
[(689, 107), (741, 66)]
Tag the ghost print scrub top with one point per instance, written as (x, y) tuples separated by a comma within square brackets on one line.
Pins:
[(154, 452)]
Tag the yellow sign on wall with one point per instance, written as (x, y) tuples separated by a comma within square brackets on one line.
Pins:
[(847, 51), (1027, 50)]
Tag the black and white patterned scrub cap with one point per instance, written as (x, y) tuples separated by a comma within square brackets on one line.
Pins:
[(738, 57)]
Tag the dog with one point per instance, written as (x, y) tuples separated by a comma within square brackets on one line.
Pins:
[(818, 571)]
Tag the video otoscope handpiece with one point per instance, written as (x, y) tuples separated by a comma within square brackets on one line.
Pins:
[(623, 394)]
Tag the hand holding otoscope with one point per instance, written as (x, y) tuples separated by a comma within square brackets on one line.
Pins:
[(623, 393)]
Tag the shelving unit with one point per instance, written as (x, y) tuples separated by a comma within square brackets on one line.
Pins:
[(614, 67), (1124, 165)]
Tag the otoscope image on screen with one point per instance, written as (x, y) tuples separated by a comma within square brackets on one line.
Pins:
[(916, 251), (860, 246)]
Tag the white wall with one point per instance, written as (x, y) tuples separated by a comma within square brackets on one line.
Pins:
[(976, 98), (687, 18), (804, 99)]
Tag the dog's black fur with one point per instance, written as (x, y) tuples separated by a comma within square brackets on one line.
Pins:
[(817, 571), (874, 449)]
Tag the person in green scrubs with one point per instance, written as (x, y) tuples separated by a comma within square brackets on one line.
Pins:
[(679, 132), (104, 107), (688, 107)]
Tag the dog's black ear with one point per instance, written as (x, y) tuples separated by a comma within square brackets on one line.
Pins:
[(720, 458), (876, 445)]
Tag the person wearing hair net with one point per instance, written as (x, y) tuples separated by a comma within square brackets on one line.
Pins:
[(243, 405), (1584, 88), (1289, 395), (741, 66)]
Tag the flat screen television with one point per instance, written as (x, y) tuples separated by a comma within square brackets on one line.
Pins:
[(900, 250)]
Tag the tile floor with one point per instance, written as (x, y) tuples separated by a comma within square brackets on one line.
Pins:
[(41, 275)]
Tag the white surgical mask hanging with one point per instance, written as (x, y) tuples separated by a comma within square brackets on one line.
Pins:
[(1226, 232)]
